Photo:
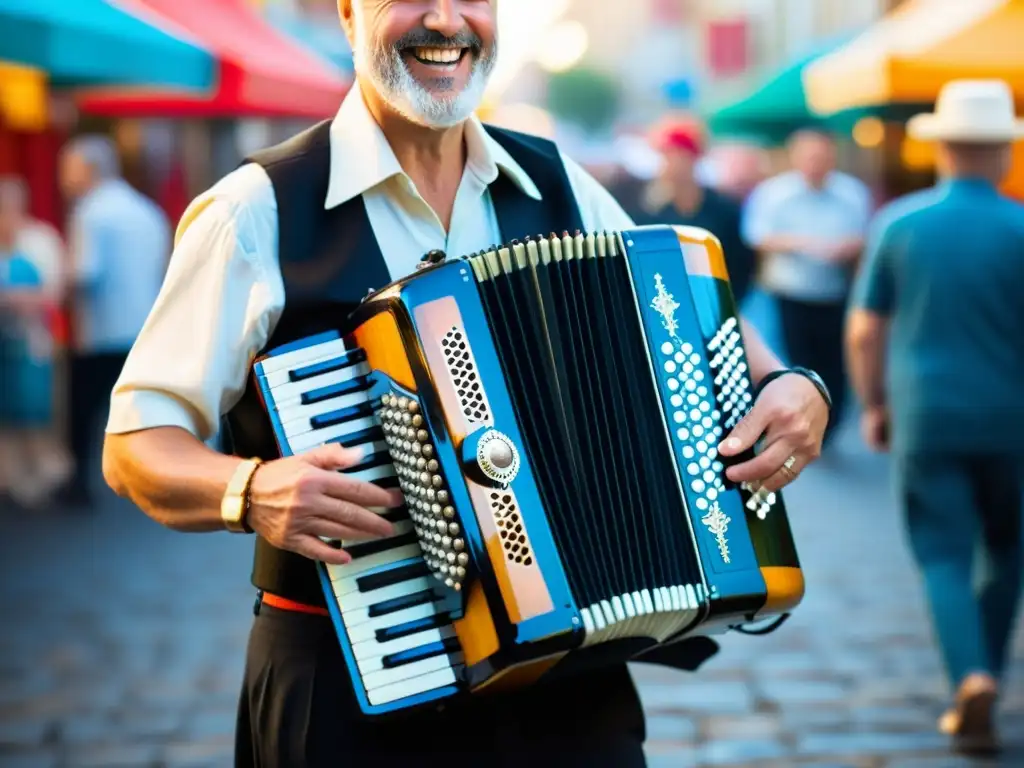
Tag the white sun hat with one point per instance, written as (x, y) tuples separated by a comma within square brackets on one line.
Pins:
[(970, 111)]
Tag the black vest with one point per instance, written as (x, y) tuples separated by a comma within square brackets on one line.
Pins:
[(330, 260)]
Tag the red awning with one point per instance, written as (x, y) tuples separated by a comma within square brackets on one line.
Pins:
[(262, 73)]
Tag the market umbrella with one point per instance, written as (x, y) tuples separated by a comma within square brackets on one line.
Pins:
[(778, 105)]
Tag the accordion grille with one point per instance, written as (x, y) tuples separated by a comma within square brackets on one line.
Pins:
[(569, 339), (462, 368)]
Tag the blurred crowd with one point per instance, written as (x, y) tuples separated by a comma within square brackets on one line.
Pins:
[(70, 309)]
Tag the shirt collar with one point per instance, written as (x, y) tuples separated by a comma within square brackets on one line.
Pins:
[(968, 184), (362, 159)]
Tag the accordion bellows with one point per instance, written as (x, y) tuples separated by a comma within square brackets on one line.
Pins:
[(551, 410)]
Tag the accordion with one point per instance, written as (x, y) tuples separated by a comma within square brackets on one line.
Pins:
[(550, 410)]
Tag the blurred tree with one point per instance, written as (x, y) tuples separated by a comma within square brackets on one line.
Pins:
[(585, 97)]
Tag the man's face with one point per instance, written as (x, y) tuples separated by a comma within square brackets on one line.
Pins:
[(814, 156), (679, 165), (75, 175), (429, 60)]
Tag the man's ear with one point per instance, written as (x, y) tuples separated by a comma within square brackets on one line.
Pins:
[(345, 13)]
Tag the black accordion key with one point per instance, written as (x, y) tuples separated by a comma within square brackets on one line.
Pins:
[(436, 621), (387, 578), (401, 603), (448, 645)]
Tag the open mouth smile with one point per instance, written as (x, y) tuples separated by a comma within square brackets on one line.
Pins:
[(440, 59)]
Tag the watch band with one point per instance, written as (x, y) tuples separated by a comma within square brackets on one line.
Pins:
[(234, 506), (807, 373)]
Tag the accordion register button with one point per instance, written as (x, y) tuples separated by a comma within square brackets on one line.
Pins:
[(490, 457)]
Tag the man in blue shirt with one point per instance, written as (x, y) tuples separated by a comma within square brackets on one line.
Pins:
[(935, 343)]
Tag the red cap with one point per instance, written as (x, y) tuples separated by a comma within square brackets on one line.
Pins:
[(686, 136)]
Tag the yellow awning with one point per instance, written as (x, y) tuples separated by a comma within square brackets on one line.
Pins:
[(23, 98), (910, 54)]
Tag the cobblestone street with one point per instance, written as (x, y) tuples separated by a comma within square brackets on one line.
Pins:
[(122, 645)]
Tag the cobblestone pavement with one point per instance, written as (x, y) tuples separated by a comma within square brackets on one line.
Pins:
[(120, 645)]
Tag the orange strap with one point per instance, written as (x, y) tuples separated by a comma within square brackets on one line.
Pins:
[(284, 604)]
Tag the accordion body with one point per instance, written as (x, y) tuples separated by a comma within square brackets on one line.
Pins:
[(550, 410)]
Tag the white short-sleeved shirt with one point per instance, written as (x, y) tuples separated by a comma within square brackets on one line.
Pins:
[(787, 205), (223, 293)]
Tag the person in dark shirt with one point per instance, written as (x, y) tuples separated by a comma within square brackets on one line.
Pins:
[(934, 340), (678, 198)]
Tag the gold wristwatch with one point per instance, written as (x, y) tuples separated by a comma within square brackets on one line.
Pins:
[(235, 504)]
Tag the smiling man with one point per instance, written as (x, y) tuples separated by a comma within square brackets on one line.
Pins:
[(286, 246)]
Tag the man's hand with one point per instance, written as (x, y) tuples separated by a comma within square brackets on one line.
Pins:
[(296, 500), (874, 427), (842, 251), (792, 415)]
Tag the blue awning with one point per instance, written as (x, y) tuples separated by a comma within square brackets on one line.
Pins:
[(96, 42)]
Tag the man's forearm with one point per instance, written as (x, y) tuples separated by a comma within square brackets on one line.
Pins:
[(760, 358), (849, 249), (169, 474), (781, 243), (865, 353)]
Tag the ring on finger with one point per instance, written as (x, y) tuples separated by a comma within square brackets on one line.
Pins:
[(787, 467)]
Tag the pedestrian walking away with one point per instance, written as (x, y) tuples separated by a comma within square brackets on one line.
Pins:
[(934, 341)]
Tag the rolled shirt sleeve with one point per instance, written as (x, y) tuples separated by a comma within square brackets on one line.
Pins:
[(220, 298)]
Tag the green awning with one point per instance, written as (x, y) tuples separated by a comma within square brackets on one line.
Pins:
[(778, 106), (95, 42)]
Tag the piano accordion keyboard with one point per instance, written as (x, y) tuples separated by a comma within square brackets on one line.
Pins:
[(395, 615)]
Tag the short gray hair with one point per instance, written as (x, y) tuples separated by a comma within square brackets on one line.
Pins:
[(99, 152), (14, 193)]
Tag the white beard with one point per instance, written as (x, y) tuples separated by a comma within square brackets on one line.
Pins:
[(384, 67)]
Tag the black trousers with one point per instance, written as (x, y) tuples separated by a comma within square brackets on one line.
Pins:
[(813, 335), (297, 711), (93, 376)]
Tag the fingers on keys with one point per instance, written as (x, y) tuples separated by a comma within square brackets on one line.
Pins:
[(356, 519), (340, 486), (357, 530), (763, 466), (317, 549), (782, 477)]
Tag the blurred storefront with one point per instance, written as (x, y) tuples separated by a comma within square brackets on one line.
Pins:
[(267, 84), (50, 46), (898, 66), (186, 88)]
